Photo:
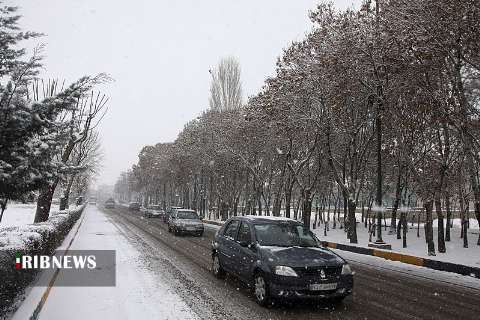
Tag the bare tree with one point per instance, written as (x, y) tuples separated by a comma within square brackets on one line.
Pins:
[(226, 88)]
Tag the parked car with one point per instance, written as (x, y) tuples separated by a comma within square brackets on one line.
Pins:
[(280, 259), (154, 211), (110, 203), (169, 211), (185, 221), (134, 206)]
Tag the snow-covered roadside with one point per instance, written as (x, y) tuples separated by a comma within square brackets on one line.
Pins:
[(139, 293), (416, 246), (19, 214), (412, 270)]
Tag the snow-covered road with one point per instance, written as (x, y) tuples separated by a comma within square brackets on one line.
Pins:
[(161, 276), (140, 292)]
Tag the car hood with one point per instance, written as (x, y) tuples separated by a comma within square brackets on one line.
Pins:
[(189, 222), (300, 256)]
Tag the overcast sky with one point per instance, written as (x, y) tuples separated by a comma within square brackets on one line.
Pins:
[(159, 53)]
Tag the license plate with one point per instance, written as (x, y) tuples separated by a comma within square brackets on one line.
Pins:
[(190, 228), (323, 286)]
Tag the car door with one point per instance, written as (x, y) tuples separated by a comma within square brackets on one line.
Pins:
[(245, 256), (227, 243)]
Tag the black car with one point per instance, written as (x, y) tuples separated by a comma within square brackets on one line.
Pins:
[(280, 259)]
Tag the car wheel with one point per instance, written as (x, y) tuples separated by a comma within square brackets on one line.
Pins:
[(217, 267), (261, 291)]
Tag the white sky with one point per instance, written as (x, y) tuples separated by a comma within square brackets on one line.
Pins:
[(159, 53)]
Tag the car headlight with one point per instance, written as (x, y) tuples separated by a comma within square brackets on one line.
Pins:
[(285, 271), (346, 270)]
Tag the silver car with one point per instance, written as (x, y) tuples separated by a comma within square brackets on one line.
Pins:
[(185, 221)]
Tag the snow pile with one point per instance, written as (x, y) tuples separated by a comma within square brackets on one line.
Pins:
[(38, 235), (38, 238)]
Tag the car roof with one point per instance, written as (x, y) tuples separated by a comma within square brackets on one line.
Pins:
[(266, 219), (186, 210)]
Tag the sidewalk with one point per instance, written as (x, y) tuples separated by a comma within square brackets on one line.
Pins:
[(140, 293)]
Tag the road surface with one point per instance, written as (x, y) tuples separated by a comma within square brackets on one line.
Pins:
[(379, 293)]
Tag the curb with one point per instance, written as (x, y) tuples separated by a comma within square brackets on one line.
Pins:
[(40, 298), (408, 259), (400, 257)]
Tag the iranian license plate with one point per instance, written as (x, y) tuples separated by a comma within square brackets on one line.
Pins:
[(190, 228), (323, 286)]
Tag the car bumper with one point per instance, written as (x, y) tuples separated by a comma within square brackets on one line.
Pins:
[(190, 230), (299, 288)]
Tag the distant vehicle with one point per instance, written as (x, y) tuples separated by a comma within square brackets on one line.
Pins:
[(110, 203), (154, 211), (92, 200), (169, 211), (281, 259), (185, 221), (134, 206)]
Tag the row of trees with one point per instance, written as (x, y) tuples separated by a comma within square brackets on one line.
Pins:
[(380, 101), (47, 131)]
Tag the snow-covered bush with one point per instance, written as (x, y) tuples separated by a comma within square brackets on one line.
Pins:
[(38, 238)]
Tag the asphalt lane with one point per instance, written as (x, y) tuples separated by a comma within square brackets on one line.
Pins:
[(378, 294)]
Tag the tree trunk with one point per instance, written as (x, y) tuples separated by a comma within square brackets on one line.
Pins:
[(429, 228), (288, 199), (3, 206), (352, 225), (44, 202), (277, 204), (404, 227), (307, 210), (449, 216), (440, 233), (398, 194)]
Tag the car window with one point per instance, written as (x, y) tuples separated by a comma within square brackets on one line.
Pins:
[(231, 229), (187, 215), (284, 235), (244, 233)]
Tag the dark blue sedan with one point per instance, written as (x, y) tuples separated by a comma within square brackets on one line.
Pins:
[(280, 259)]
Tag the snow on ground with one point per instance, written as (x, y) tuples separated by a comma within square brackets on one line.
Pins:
[(19, 214), (412, 270), (139, 293), (415, 245)]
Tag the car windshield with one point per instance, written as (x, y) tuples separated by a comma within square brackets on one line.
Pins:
[(284, 235), (187, 215)]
